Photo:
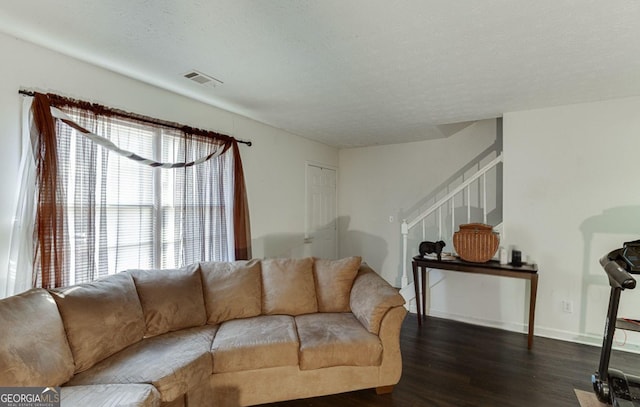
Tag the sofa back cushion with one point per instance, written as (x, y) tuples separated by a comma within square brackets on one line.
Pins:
[(333, 279), (101, 318), (171, 299), (34, 349), (288, 287), (231, 290)]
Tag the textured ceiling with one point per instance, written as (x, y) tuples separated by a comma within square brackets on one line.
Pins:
[(354, 72)]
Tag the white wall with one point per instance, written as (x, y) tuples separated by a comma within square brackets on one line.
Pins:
[(380, 182), (274, 166), (571, 194)]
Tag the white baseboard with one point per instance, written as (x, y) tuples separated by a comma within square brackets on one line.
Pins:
[(408, 292)]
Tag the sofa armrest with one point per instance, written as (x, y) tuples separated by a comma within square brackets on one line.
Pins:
[(391, 366), (372, 297)]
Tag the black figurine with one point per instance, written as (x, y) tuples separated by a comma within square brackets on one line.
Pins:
[(432, 247)]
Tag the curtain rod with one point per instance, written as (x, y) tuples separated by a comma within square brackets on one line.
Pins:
[(145, 119)]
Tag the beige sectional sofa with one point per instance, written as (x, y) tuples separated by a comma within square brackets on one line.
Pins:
[(210, 334)]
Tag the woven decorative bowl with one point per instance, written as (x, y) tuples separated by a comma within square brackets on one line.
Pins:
[(476, 242)]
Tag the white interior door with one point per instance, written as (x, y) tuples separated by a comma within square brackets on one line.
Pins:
[(322, 233)]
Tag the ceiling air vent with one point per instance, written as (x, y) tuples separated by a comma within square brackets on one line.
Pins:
[(203, 79)]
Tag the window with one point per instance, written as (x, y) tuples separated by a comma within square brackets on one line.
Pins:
[(121, 214), (109, 213)]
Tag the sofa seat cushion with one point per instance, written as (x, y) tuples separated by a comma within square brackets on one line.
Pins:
[(101, 318), (255, 343), (33, 345), (110, 395), (172, 362), (336, 339)]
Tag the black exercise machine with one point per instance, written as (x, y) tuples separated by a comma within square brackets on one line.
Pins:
[(611, 385)]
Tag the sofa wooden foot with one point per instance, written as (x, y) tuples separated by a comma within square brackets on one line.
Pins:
[(384, 390)]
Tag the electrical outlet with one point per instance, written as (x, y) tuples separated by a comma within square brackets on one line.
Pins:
[(567, 306)]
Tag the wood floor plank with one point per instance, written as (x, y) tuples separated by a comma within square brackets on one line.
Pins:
[(453, 364)]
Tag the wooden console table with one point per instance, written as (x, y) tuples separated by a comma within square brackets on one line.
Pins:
[(493, 268)]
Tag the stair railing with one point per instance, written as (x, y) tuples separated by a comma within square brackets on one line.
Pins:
[(442, 202)]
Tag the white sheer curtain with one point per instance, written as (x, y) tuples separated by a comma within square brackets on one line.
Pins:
[(17, 276)]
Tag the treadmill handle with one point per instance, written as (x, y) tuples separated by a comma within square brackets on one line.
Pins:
[(618, 276)]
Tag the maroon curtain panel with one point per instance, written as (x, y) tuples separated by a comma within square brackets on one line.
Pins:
[(241, 229), (49, 250)]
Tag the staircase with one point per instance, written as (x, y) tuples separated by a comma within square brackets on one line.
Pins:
[(465, 203)]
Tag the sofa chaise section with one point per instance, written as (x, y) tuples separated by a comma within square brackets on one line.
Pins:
[(129, 395), (172, 362), (139, 327)]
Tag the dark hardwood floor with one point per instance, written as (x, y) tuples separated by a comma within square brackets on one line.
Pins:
[(453, 364)]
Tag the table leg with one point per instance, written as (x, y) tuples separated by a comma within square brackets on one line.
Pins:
[(423, 275), (532, 308), (417, 291)]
